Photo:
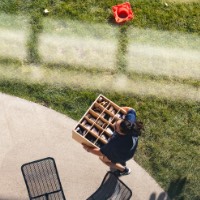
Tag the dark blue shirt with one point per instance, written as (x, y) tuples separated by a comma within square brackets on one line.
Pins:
[(121, 148), (131, 116)]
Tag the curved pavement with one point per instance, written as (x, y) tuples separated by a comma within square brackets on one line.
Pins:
[(30, 132)]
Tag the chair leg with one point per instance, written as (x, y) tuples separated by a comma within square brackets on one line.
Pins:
[(46, 197)]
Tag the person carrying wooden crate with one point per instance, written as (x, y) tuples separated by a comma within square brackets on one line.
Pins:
[(122, 145)]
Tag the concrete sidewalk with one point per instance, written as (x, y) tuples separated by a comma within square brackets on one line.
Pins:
[(30, 132)]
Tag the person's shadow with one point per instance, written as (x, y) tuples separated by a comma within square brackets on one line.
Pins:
[(174, 190)]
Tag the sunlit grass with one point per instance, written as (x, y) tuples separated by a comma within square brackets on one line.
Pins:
[(95, 45), (112, 81)]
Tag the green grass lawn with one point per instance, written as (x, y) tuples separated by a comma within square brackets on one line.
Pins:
[(148, 14), (169, 147)]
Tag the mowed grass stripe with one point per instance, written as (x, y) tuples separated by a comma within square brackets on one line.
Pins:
[(91, 52), (101, 81)]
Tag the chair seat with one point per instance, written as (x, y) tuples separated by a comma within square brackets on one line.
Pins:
[(42, 180), (111, 188)]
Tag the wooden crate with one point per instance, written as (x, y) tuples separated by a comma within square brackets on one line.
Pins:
[(97, 124)]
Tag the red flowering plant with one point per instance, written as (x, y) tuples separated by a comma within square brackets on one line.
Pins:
[(122, 12)]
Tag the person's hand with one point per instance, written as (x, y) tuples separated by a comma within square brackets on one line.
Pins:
[(126, 109), (86, 147)]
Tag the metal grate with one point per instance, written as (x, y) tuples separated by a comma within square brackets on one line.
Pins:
[(111, 188), (42, 180)]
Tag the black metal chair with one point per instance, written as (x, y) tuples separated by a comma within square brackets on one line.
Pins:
[(42, 180), (111, 188)]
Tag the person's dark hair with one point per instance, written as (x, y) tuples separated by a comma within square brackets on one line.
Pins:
[(128, 128)]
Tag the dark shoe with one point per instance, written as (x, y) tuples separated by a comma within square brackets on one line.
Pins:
[(118, 173)]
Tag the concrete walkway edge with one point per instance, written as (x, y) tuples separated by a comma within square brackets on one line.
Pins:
[(29, 131)]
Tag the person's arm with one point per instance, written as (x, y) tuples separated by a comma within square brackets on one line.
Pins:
[(96, 151)]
